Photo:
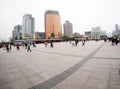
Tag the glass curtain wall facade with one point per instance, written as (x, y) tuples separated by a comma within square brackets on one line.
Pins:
[(52, 24)]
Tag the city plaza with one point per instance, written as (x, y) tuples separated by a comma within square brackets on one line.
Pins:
[(96, 65)]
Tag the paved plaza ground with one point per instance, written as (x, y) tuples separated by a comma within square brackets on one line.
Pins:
[(93, 66)]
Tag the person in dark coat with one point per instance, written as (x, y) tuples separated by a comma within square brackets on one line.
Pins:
[(76, 42), (25, 45), (7, 47), (34, 44), (51, 44)]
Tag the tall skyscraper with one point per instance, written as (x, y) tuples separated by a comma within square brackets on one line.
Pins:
[(116, 27), (117, 30), (68, 29), (17, 32), (52, 24), (28, 26)]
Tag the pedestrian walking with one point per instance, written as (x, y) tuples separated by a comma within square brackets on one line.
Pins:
[(45, 43), (17, 46), (76, 42), (10, 47), (7, 47), (34, 44), (73, 44), (51, 44), (25, 45), (28, 48), (83, 42)]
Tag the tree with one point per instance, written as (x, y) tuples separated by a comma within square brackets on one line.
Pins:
[(67, 38), (16, 38), (53, 34), (103, 37), (20, 38)]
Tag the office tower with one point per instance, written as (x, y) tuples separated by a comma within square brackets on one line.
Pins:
[(68, 29), (17, 32), (114, 33), (96, 32), (52, 24), (116, 27), (28, 26)]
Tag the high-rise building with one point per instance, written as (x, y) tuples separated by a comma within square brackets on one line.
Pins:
[(68, 29), (116, 32), (52, 24), (116, 27), (28, 26), (17, 32), (96, 32)]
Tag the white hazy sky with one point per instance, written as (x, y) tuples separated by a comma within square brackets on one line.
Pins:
[(83, 14)]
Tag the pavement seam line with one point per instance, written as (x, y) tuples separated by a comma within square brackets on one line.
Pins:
[(107, 58), (59, 78)]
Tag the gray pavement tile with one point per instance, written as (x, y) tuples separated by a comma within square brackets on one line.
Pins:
[(115, 78), (102, 70), (54, 81), (5, 78), (34, 80), (115, 66), (87, 68), (8, 85), (96, 84), (83, 73), (12, 70), (44, 75), (86, 87), (64, 75), (68, 85), (54, 88), (23, 70), (114, 85), (22, 84), (43, 85), (16, 76), (100, 76), (27, 72), (115, 71)]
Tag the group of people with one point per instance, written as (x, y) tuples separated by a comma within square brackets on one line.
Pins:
[(46, 43), (75, 43), (114, 41), (27, 46), (8, 47)]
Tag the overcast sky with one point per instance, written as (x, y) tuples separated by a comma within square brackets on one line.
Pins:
[(83, 14)]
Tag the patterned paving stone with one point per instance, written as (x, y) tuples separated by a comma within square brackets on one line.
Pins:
[(61, 67)]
